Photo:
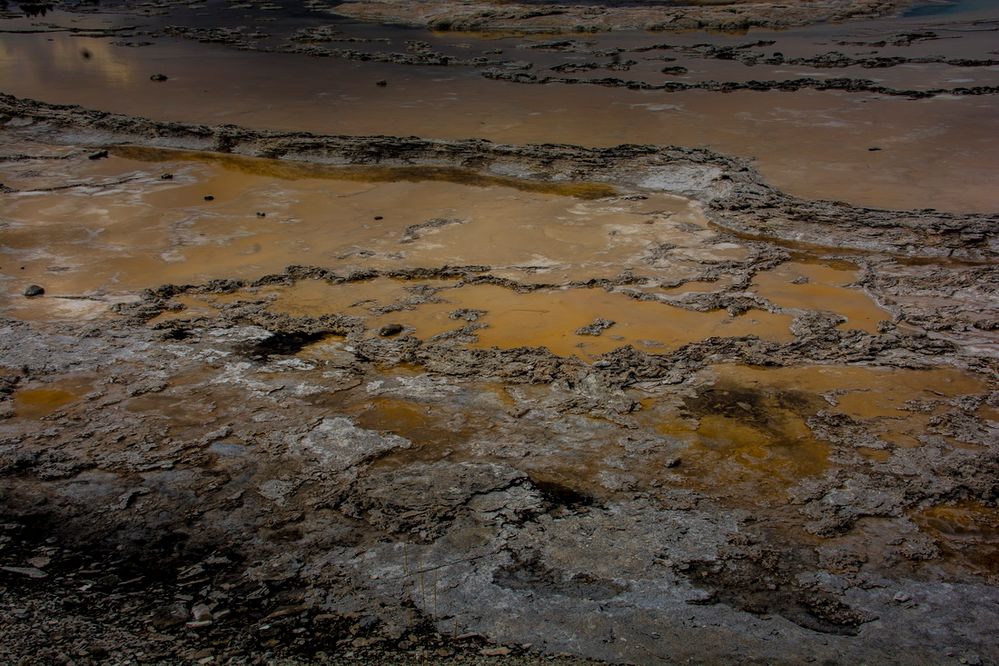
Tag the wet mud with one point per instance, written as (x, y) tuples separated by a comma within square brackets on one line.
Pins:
[(323, 398)]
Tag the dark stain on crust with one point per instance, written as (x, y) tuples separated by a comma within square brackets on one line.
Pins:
[(280, 344), (763, 582)]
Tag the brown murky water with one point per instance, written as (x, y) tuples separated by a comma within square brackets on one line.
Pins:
[(124, 228), (109, 236), (503, 317), (936, 153), (813, 286), (551, 318), (285, 170), (40, 399)]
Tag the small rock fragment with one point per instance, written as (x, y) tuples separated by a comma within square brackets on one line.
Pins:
[(34, 290), (30, 572), (596, 328), (158, 77), (99, 155), (466, 314), (495, 652), (389, 330), (209, 197), (201, 613), (382, 83)]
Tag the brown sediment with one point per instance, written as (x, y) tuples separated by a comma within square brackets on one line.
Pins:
[(891, 405), (736, 435), (968, 534), (859, 391)]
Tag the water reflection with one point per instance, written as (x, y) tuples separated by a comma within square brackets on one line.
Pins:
[(31, 8), (948, 7), (81, 61)]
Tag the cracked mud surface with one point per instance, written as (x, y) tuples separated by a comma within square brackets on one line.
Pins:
[(311, 396)]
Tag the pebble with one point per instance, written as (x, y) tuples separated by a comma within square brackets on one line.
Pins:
[(201, 613), (30, 572), (389, 330), (34, 290)]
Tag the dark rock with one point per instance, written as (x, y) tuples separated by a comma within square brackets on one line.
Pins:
[(34, 290), (30, 572), (158, 77), (414, 231), (596, 328), (466, 314), (382, 83), (209, 197), (99, 155), (389, 330)]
